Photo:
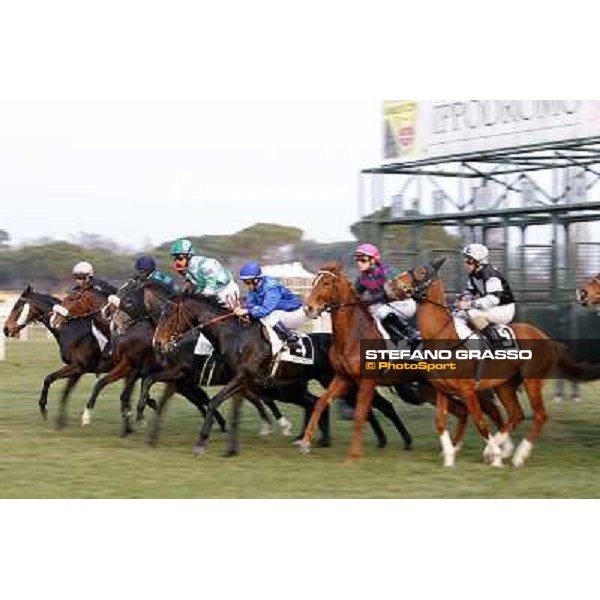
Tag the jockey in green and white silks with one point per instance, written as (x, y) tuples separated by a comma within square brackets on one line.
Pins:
[(206, 276)]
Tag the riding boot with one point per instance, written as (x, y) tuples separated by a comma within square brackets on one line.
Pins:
[(286, 335), (399, 329), (491, 335)]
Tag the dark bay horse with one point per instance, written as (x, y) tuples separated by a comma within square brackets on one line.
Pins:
[(132, 356), (351, 322), (549, 359), (78, 347), (247, 352), (145, 300)]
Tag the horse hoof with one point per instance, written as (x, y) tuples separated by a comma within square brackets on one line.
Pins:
[(86, 417), (381, 443), (408, 446), (199, 449), (303, 447), (265, 429), (285, 426), (229, 453), (449, 460), (324, 443), (126, 430), (44, 413), (61, 423)]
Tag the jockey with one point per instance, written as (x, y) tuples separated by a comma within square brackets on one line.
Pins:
[(206, 276), (85, 276), (370, 288), (145, 270), (488, 299), (272, 303)]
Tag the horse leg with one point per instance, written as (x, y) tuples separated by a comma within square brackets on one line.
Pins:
[(459, 410), (126, 427), (387, 409), (364, 399), (61, 419), (508, 397), (147, 383), (152, 437), (233, 446), (474, 406), (257, 402), (265, 426), (285, 425), (235, 386), (168, 374), (62, 373), (441, 418), (377, 429), (118, 372), (338, 387), (534, 392)]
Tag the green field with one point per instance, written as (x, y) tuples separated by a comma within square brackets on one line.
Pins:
[(36, 461)]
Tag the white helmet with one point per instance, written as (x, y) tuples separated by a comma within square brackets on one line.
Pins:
[(478, 252), (83, 268)]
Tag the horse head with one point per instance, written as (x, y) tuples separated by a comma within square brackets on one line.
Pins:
[(589, 293), (330, 289), (79, 303), (176, 318), (414, 283), (29, 308)]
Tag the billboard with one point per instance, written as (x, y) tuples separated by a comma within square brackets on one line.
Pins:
[(420, 129)]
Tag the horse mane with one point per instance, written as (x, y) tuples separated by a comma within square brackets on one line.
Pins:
[(42, 297)]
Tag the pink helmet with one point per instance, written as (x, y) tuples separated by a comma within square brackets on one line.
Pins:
[(368, 250)]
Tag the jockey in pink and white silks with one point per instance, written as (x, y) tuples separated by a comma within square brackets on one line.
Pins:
[(370, 287), (488, 299)]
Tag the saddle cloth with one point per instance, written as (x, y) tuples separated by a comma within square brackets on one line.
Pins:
[(100, 337), (305, 355), (203, 346)]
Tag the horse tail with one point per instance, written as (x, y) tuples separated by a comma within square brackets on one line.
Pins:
[(574, 370)]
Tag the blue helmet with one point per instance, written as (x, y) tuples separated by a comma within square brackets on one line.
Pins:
[(145, 263), (251, 270)]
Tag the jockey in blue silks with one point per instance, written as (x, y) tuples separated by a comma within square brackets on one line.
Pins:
[(272, 303)]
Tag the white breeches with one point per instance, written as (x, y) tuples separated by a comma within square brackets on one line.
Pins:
[(498, 315), (291, 318), (405, 309)]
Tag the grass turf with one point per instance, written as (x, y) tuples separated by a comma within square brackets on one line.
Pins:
[(36, 461)]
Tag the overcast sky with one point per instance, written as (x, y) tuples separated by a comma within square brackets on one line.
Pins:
[(149, 120), (147, 124)]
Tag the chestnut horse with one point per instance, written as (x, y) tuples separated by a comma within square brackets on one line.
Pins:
[(549, 358), (352, 322)]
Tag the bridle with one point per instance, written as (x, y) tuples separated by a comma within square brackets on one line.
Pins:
[(329, 307), (188, 321)]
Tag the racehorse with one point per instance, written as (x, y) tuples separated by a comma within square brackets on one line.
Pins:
[(139, 300), (247, 352), (78, 347), (549, 358), (132, 355), (351, 322)]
